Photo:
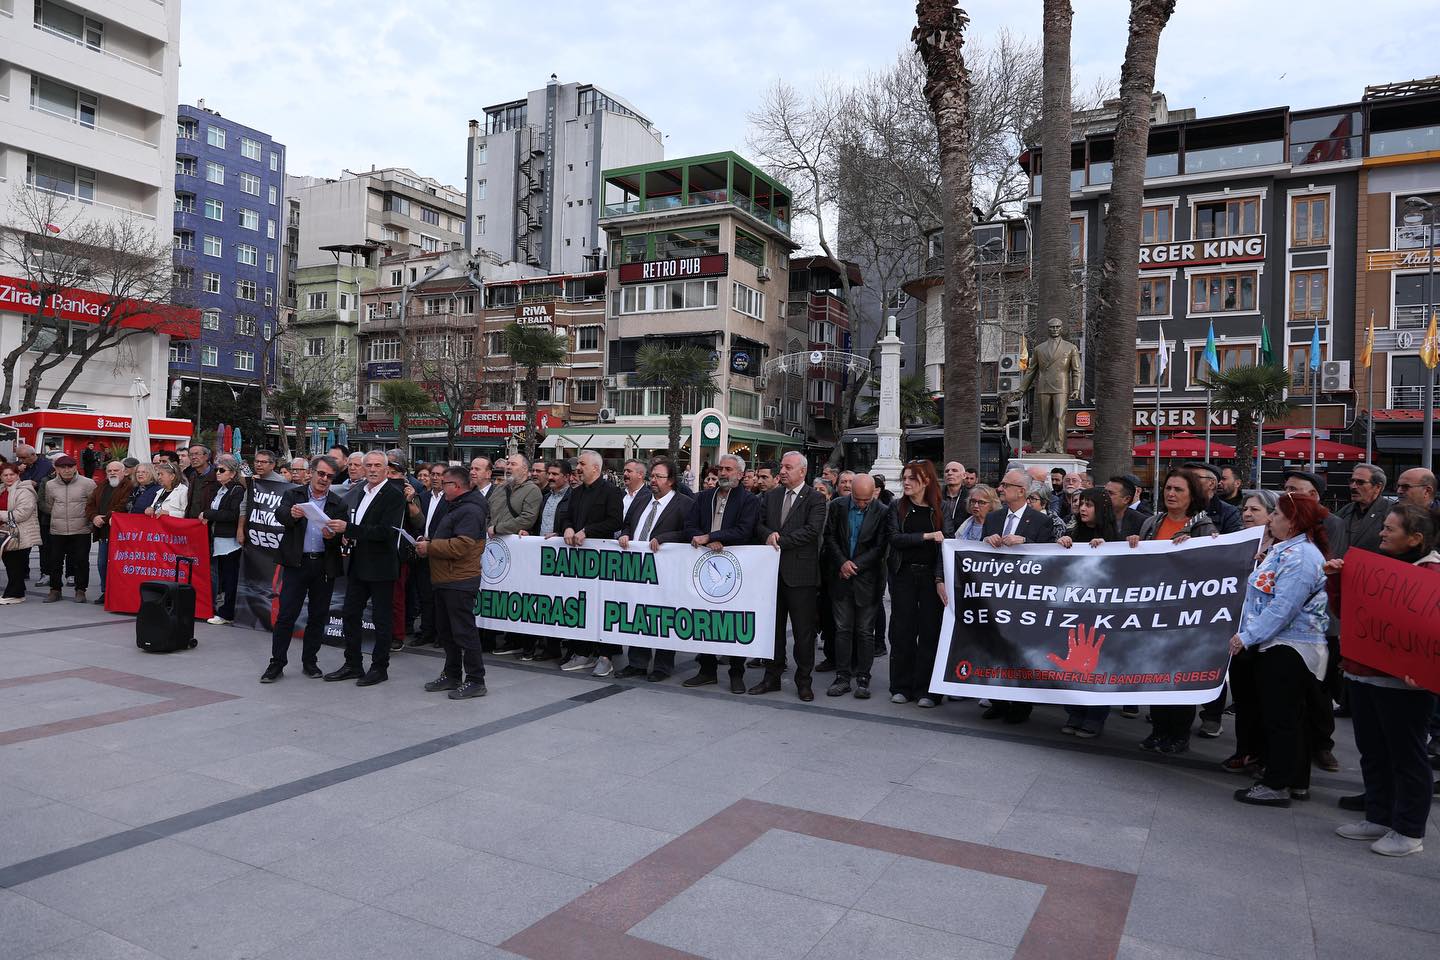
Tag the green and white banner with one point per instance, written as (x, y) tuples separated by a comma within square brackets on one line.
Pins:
[(676, 598)]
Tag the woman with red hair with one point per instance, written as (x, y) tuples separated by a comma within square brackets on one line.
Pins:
[(917, 528), (1283, 621)]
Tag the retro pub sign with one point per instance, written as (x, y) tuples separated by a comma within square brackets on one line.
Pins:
[(676, 268)]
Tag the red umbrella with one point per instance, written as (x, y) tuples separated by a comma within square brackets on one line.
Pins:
[(1298, 448), (1187, 446)]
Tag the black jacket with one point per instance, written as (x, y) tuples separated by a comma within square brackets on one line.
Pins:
[(801, 535), (292, 541), (1362, 525), (669, 526), (630, 522), (1226, 517), (869, 556), (202, 490), (1034, 525), (225, 518), (594, 508), (373, 555), (737, 526)]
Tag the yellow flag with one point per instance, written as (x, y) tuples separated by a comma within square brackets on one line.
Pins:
[(1369, 343), (1430, 349), (1025, 354)]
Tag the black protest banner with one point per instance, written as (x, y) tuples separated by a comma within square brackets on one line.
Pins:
[(1109, 625)]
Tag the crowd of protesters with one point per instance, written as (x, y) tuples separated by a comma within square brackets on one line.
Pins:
[(844, 540)]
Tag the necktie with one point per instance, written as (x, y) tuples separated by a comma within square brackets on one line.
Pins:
[(785, 509), (1011, 522), (649, 520)]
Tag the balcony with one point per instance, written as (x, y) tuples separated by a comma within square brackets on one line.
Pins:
[(98, 127), (1415, 316), (1411, 236), (1408, 397), (90, 202), (96, 47), (699, 198)]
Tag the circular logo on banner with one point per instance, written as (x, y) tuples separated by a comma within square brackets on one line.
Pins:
[(962, 670), (716, 576), (1404, 340), (816, 358), (495, 563), (740, 361)]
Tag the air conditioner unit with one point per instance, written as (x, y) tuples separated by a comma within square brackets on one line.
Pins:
[(772, 413), (1335, 376), (763, 274), (1009, 363), (1010, 382), (612, 383), (607, 414)]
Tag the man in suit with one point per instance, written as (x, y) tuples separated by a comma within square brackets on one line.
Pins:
[(634, 494), (1014, 524), (792, 520), (723, 517), (1123, 491), (662, 520), (843, 482), (593, 510), (424, 511), (309, 558), (377, 509), (856, 537)]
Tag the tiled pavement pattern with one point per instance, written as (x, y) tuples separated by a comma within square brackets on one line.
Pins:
[(172, 807)]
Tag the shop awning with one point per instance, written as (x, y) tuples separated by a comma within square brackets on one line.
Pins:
[(1396, 443), (584, 441), (1187, 446), (1298, 448)]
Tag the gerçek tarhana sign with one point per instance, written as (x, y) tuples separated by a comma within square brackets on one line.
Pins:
[(676, 598), (1109, 625)]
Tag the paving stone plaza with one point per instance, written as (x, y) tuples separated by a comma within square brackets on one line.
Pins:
[(172, 807)]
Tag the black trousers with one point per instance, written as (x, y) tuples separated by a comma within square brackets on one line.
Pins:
[(47, 549), (305, 587), (854, 632), (708, 662), (1172, 721), (880, 626), (380, 594), (1286, 690), (70, 551), (1249, 708), (797, 606), (17, 570), (458, 634), (640, 657), (228, 566), (424, 598), (1320, 712), (915, 614), (1215, 709), (1390, 729), (826, 620)]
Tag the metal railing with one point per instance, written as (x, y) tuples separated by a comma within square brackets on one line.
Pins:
[(1411, 236), (80, 42), (93, 126), (91, 202), (698, 198), (1411, 316), (1408, 398)]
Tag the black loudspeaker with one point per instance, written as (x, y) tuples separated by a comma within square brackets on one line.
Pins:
[(166, 621)]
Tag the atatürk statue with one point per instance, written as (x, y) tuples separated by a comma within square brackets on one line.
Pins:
[(1055, 373)]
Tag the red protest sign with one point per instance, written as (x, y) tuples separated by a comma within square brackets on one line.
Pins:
[(1388, 614), (144, 548)]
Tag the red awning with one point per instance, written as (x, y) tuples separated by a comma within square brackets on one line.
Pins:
[(1298, 448), (1186, 446)]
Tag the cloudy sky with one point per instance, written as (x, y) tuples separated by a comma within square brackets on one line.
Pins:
[(350, 83)]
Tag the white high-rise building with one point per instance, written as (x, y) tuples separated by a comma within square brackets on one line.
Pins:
[(89, 91), (532, 191)]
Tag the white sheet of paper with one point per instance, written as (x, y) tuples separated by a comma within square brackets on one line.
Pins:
[(407, 537), (313, 512)]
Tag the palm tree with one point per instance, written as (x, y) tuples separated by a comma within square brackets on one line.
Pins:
[(677, 372), (1052, 265), (1115, 326), (404, 399), (297, 401), (532, 348), (939, 35), (1254, 393)]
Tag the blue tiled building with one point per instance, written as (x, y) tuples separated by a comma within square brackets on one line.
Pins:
[(229, 218)]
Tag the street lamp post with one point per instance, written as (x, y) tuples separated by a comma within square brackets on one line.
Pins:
[(980, 322), (1427, 382)]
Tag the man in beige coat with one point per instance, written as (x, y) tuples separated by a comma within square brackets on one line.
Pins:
[(65, 497)]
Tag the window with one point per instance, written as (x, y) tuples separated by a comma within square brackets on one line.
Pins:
[(269, 296), (317, 301), (481, 153), (244, 360), (185, 128), (694, 242), (480, 186), (750, 249), (211, 283), (184, 240), (210, 319), (270, 229), (249, 219), (820, 391), (273, 195), (247, 254), (244, 325), (249, 183), (1229, 355), (315, 347), (57, 98), (275, 161), (495, 344), (215, 136), (382, 349), (209, 357), (429, 244), (429, 216), (675, 295), (214, 209), (214, 172), (586, 391), (250, 149), (269, 263), (397, 277), (344, 303), (896, 299), (52, 16), (1155, 225), (183, 278), (1222, 292), (480, 225), (822, 332), (1154, 297), (1227, 218), (747, 301), (245, 289), (1077, 239), (212, 246), (587, 339), (186, 166), (744, 405), (1301, 376), (342, 347), (1307, 294), (62, 178), (184, 203), (498, 393), (179, 352), (465, 304), (1310, 221), (1146, 367), (436, 305)]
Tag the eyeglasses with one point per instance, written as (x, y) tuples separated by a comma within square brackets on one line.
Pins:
[(1402, 487), (321, 475), (1360, 483), (1006, 483)]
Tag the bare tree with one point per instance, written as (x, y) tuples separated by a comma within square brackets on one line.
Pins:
[(1052, 265), (939, 35), (445, 361), (1116, 300)]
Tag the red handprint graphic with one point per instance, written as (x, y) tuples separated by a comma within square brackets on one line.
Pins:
[(1084, 651)]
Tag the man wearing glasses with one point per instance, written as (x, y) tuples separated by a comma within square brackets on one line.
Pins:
[(1365, 514), (309, 556), (1417, 486)]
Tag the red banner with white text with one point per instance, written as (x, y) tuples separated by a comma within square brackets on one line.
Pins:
[(144, 548)]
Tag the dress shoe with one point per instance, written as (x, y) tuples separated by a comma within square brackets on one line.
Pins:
[(737, 683), (397, 644), (442, 683), (100, 600), (805, 693), (80, 596), (272, 673), (765, 686), (825, 666), (372, 677), (1325, 760), (468, 690), (52, 597), (702, 679), (862, 690), (626, 673), (1354, 802), (347, 672), (838, 689), (994, 713), (312, 670), (657, 676)]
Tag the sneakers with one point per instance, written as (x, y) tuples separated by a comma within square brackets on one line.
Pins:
[(1151, 742), (1129, 713), (468, 689), (899, 698), (1174, 745), (442, 682), (1263, 796), (272, 673), (1069, 729), (218, 621), (1084, 734), (503, 649), (603, 667), (862, 689), (578, 662), (1397, 845), (838, 688), (1362, 830), (7, 601), (1210, 729), (925, 703)]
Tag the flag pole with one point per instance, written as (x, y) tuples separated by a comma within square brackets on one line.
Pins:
[(1162, 363), (1370, 391), (1314, 388), (1208, 391)]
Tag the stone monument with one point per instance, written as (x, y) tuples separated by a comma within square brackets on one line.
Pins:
[(887, 424)]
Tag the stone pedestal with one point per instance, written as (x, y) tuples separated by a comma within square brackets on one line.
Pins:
[(887, 424), (1050, 461)]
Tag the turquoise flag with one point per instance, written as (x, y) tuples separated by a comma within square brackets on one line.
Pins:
[(1212, 357), (1315, 348)]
